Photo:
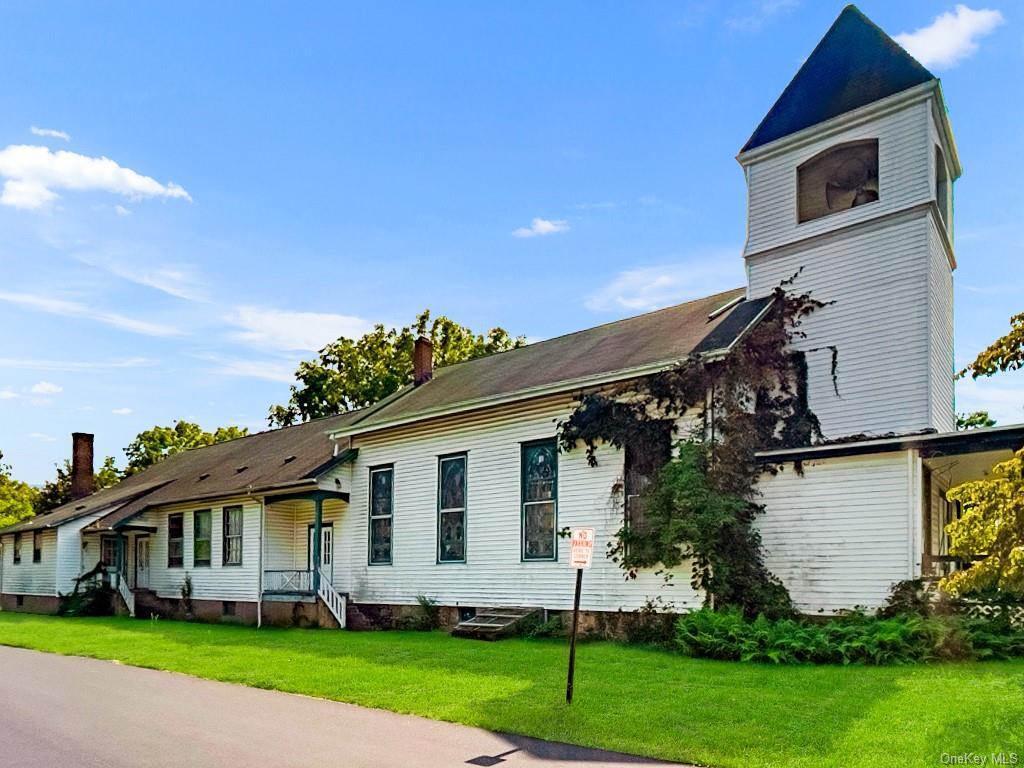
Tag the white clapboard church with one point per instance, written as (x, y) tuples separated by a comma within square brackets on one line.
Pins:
[(454, 488)]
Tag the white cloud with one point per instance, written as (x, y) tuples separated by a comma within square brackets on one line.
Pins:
[(1002, 397), (759, 14), (50, 133), (293, 331), (266, 370), (41, 437), (647, 288), (29, 364), (46, 388), (142, 268), (75, 309), (120, 210), (8, 394), (121, 411), (541, 227), (32, 174), (950, 37)]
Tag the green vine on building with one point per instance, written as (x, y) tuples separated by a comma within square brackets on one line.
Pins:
[(697, 499)]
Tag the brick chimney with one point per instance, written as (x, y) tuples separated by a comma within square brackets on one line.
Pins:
[(81, 464), (422, 361)]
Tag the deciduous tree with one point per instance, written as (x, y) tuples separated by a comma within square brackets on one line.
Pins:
[(352, 373), (992, 528), (1004, 354), (153, 445), (17, 499)]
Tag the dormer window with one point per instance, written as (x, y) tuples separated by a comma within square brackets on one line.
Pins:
[(840, 178)]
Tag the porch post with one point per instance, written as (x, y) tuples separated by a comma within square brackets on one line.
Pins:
[(122, 556), (318, 513)]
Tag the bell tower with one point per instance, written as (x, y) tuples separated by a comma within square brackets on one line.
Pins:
[(849, 182)]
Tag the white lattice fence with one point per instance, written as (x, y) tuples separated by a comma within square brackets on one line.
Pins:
[(979, 610)]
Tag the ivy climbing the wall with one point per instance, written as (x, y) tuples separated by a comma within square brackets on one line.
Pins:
[(698, 502)]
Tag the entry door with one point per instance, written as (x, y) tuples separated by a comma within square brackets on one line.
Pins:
[(326, 547), (142, 563)]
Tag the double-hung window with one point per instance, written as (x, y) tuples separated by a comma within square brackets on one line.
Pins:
[(108, 551), (643, 461), (37, 546), (202, 537), (232, 535), (539, 500), (381, 513), (176, 540), (17, 548), (451, 509)]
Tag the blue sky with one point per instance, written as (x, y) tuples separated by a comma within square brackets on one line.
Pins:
[(276, 177)]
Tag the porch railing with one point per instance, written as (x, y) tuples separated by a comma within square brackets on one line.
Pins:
[(335, 601), (287, 581), (125, 592)]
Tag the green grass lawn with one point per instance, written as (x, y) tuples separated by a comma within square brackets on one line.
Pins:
[(638, 700)]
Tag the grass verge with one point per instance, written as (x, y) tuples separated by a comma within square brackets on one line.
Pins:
[(630, 699)]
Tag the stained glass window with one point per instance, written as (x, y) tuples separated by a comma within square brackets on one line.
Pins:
[(381, 509), (451, 513), (539, 499)]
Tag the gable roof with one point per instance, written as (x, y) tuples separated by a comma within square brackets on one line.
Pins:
[(855, 64), (276, 458), (613, 351)]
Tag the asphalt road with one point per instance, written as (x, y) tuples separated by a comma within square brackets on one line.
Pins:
[(69, 712)]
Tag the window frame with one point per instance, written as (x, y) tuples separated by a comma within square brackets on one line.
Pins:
[(16, 550), (171, 539), (227, 538), (37, 551), (208, 561), (800, 222), (464, 457), (371, 517), (523, 448), (117, 549)]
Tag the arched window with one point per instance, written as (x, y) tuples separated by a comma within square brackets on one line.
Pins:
[(837, 179)]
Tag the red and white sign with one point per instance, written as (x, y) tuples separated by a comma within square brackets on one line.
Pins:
[(581, 548)]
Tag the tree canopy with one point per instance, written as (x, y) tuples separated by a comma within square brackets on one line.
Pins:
[(353, 373), (56, 492), (992, 528), (974, 420), (153, 445), (1004, 354), (17, 499)]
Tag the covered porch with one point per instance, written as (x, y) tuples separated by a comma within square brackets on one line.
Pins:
[(298, 548), (948, 461)]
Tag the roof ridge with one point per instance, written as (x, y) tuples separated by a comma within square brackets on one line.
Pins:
[(591, 328)]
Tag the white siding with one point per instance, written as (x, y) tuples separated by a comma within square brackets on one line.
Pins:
[(940, 319), (879, 278), (842, 534), (216, 582), (70, 556), (904, 179), (493, 573), (28, 578), (286, 539)]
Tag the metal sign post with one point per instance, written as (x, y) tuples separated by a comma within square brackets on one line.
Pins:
[(581, 554)]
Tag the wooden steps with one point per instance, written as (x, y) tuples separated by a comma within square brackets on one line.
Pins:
[(494, 623)]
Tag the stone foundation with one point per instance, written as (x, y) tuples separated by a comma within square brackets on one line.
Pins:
[(278, 613), (30, 603)]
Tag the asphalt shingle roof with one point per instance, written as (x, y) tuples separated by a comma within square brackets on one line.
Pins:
[(660, 337), (855, 64), (277, 457)]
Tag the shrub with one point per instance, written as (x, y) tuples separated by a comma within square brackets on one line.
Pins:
[(851, 639), (92, 598), (550, 628)]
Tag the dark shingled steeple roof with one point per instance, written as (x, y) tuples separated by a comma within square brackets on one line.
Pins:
[(855, 64)]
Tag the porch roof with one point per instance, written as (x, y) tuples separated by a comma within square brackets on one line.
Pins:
[(931, 444)]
